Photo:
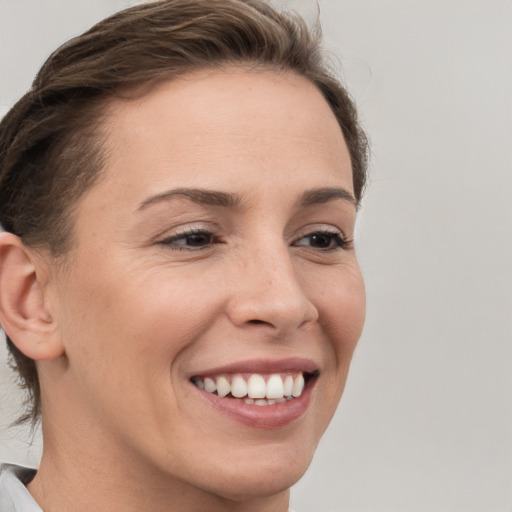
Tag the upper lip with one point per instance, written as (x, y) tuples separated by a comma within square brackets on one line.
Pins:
[(263, 366)]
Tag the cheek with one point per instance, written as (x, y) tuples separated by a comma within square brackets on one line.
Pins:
[(143, 318), (341, 302), (342, 307)]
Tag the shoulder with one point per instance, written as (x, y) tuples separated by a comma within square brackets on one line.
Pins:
[(14, 496)]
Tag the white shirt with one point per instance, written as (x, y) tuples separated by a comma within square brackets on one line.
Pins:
[(14, 496)]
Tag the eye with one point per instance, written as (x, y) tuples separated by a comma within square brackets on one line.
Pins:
[(189, 241), (322, 240)]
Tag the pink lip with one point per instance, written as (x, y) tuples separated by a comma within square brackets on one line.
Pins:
[(268, 416), (264, 417), (263, 366)]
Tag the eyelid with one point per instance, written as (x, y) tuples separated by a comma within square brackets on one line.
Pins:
[(170, 239), (319, 228), (183, 234), (338, 240), (186, 229)]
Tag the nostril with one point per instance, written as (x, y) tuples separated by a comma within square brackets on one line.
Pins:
[(257, 322)]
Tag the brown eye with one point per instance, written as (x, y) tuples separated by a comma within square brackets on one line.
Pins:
[(322, 240), (189, 241), (197, 239)]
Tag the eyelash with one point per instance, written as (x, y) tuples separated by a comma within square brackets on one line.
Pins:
[(340, 242), (171, 242)]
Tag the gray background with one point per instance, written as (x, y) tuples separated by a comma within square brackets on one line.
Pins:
[(425, 423)]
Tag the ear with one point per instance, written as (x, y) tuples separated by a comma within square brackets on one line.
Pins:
[(23, 315)]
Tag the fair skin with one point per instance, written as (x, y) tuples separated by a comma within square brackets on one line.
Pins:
[(219, 242)]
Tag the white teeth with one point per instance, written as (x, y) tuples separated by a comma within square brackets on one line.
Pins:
[(238, 387), (298, 386), (275, 387), (223, 386), (256, 387), (288, 386), (255, 391), (262, 401), (209, 385)]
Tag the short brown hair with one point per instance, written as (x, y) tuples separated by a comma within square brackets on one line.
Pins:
[(50, 150)]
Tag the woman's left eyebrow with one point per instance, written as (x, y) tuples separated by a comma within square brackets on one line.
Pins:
[(324, 195)]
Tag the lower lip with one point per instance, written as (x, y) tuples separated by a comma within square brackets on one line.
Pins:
[(261, 416)]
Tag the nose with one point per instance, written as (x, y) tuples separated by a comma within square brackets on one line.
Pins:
[(267, 292)]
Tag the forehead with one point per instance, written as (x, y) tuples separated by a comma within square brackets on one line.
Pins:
[(210, 125), (211, 95)]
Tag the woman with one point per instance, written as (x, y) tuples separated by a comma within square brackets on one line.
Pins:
[(178, 281)]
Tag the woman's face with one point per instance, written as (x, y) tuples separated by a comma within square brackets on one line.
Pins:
[(215, 252)]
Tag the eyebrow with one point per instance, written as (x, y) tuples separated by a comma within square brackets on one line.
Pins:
[(324, 195), (199, 196)]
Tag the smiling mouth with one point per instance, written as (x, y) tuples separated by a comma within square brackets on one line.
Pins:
[(256, 388)]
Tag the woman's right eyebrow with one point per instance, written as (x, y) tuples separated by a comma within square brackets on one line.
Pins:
[(199, 196)]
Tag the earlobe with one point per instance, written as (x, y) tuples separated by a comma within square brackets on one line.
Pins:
[(23, 314)]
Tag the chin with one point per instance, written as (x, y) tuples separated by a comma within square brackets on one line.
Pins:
[(261, 477), (248, 488)]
